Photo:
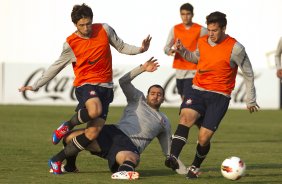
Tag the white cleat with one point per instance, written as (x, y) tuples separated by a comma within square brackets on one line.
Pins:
[(125, 175)]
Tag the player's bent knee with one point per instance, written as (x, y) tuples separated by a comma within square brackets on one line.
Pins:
[(94, 113), (92, 132)]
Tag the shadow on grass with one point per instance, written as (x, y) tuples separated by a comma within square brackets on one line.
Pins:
[(156, 172)]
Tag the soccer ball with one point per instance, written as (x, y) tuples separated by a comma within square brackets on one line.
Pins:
[(233, 168)]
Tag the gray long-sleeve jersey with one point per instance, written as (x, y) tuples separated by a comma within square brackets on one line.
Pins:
[(238, 57), (278, 54), (67, 57), (140, 122), (181, 74)]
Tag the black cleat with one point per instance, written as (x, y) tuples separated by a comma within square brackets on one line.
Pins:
[(171, 162), (193, 172)]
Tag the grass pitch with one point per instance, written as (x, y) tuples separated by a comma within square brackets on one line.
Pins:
[(25, 147)]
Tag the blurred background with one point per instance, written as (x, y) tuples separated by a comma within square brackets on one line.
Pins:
[(33, 33)]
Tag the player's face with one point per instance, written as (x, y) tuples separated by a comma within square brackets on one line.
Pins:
[(155, 97), (186, 17), (216, 34), (84, 27)]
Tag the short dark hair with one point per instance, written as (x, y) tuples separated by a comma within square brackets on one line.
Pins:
[(81, 11), (157, 86), (217, 17), (188, 7)]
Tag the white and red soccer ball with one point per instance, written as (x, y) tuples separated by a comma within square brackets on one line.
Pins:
[(233, 168)]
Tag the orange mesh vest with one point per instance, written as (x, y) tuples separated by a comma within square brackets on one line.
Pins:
[(93, 57), (189, 39), (213, 69)]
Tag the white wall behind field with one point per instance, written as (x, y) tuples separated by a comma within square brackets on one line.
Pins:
[(33, 31)]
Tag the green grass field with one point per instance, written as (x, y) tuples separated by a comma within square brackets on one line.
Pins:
[(25, 147)]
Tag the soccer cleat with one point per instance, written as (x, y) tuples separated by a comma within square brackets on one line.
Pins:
[(171, 162), (125, 175), (60, 133), (193, 172), (55, 167)]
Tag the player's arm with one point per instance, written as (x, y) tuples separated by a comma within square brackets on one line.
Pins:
[(168, 49), (204, 31), (127, 87), (186, 54), (165, 142), (240, 57), (67, 56), (278, 59), (123, 47)]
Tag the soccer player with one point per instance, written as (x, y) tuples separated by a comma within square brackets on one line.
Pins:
[(88, 50), (278, 59), (122, 143), (218, 57), (189, 33)]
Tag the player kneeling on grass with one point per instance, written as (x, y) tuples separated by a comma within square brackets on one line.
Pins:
[(122, 143)]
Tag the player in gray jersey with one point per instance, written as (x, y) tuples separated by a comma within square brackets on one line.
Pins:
[(122, 143), (278, 59)]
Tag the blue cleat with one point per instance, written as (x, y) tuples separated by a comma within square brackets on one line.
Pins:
[(59, 133), (55, 167)]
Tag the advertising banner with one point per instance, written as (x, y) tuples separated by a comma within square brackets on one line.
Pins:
[(60, 91)]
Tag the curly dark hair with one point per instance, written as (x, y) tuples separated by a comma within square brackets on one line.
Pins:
[(81, 11)]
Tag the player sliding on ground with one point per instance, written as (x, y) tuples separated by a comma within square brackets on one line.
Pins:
[(122, 143)]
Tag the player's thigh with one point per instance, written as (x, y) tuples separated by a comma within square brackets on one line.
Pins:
[(94, 107), (95, 98), (188, 116), (216, 107)]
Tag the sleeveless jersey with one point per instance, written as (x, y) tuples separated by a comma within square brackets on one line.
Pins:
[(213, 69), (93, 57), (189, 39)]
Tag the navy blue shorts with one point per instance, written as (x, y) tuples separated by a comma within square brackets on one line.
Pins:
[(111, 141), (184, 85), (212, 107), (85, 92)]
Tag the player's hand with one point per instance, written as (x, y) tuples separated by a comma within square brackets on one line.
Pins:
[(24, 88), (279, 73), (178, 45), (253, 108), (146, 44), (151, 65), (171, 52)]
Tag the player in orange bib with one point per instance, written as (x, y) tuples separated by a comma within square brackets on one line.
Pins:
[(88, 50), (218, 56), (189, 33)]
